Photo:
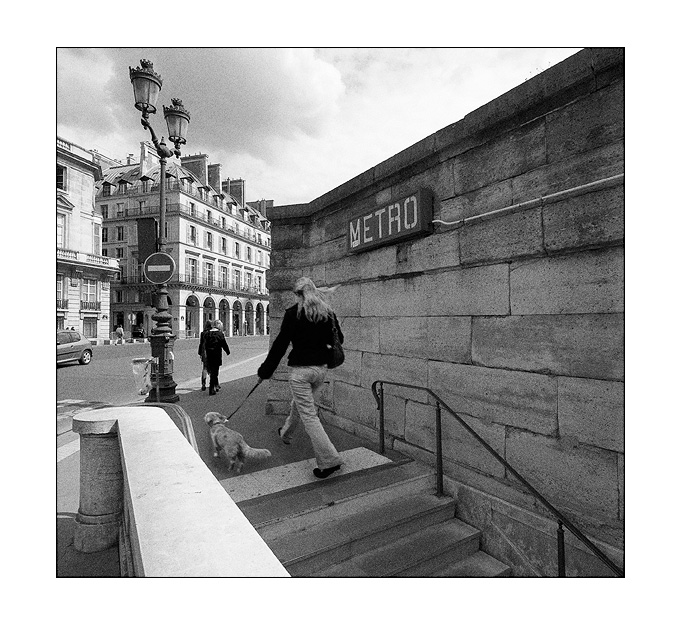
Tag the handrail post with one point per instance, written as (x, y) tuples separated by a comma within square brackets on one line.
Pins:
[(561, 568), (440, 463), (382, 420)]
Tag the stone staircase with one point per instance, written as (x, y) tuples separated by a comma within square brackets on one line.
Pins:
[(376, 518)]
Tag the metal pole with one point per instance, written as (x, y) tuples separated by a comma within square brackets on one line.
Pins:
[(561, 568), (440, 463), (382, 420)]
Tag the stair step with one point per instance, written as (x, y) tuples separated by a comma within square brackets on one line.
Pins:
[(348, 494), (306, 549), (451, 540), (478, 565)]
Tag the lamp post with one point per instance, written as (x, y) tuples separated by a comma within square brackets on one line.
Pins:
[(147, 85)]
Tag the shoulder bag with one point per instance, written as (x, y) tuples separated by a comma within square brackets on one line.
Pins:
[(336, 353)]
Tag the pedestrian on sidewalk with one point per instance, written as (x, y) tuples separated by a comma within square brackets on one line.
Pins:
[(119, 334), (214, 344), (207, 326), (308, 325)]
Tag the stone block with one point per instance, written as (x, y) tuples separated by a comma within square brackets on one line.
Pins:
[(355, 403), (492, 197), (586, 282), (507, 237), (574, 171), (591, 219), (361, 334), (457, 443), (511, 398), (350, 370), (591, 411), (282, 279), (391, 298), (581, 479), (395, 415), (621, 469), (582, 346), (482, 290), (345, 300), (437, 338), (514, 153), (392, 368), (287, 236), (591, 121), (436, 251)]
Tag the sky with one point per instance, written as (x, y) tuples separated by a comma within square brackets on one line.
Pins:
[(293, 122)]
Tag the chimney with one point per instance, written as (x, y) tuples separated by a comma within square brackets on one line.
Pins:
[(197, 164), (130, 157), (215, 176), (148, 158)]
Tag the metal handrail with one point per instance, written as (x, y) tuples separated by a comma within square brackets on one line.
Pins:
[(561, 519)]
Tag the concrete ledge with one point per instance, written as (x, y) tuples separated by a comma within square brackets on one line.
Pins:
[(180, 521)]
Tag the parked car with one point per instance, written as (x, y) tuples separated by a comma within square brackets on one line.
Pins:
[(72, 345)]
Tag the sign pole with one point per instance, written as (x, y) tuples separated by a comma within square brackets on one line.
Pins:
[(162, 339)]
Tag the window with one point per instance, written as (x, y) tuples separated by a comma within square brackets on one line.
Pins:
[(237, 250), (105, 234), (88, 290), (223, 246), (224, 276), (249, 254), (191, 233), (145, 185), (60, 287), (259, 257), (90, 327), (119, 252), (105, 252), (119, 209), (192, 209), (122, 187), (120, 233), (141, 206), (106, 190), (117, 296), (249, 280), (191, 269), (97, 241), (237, 279), (208, 240), (223, 222), (208, 215), (258, 283), (209, 273), (61, 177), (61, 231), (105, 211)]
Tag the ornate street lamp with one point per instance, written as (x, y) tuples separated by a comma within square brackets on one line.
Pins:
[(146, 85)]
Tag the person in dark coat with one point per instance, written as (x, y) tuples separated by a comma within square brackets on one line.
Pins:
[(207, 326), (308, 325), (214, 343)]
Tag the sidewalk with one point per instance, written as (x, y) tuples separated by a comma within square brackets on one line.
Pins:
[(259, 431)]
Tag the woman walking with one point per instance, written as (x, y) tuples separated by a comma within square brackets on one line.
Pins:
[(214, 343), (308, 325), (207, 326)]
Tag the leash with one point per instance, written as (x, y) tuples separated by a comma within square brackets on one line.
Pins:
[(257, 384)]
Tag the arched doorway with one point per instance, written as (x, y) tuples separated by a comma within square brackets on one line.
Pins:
[(192, 323), (259, 322), (238, 316), (250, 319), (208, 310), (224, 315)]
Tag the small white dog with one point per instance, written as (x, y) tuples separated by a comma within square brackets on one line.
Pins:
[(231, 443)]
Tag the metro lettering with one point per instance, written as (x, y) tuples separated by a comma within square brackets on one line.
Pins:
[(367, 238), (355, 240), (394, 219), (379, 214)]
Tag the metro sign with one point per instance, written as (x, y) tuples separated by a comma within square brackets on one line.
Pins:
[(159, 268), (396, 221)]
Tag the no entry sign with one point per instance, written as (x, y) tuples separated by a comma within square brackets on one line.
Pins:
[(159, 268)]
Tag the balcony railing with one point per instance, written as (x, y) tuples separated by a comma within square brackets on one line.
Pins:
[(62, 304), (198, 281), (90, 305), (87, 258)]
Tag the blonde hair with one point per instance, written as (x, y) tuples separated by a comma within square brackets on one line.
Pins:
[(311, 301), (217, 324)]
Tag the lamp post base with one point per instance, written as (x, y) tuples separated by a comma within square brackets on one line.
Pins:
[(162, 384)]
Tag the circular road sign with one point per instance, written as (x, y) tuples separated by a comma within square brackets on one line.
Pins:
[(159, 268)]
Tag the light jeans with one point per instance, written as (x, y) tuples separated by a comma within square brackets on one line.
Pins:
[(304, 383)]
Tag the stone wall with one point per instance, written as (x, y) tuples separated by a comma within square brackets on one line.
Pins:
[(511, 310)]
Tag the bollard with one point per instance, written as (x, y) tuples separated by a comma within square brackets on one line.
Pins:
[(101, 480)]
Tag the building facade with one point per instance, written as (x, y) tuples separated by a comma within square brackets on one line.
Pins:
[(84, 274), (220, 246)]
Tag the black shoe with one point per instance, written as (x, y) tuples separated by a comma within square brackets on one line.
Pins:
[(211, 392), (325, 473), (217, 387), (202, 387), (286, 440)]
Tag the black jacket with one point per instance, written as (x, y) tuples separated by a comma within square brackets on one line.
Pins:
[(311, 341), (212, 343)]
